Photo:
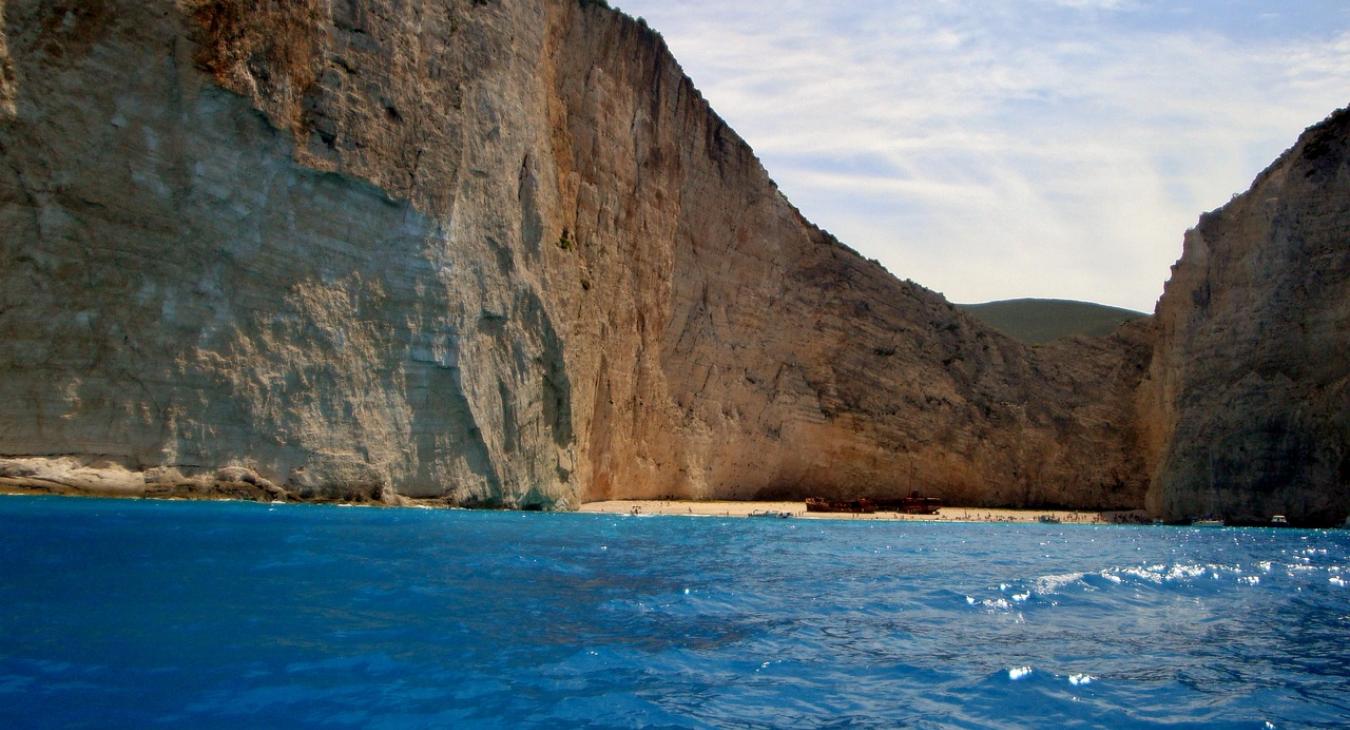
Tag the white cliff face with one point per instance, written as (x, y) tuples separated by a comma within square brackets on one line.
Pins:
[(182, 290), (489, 252)]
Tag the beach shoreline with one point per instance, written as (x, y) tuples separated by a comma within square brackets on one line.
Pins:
[(724, 508), (643, 507)]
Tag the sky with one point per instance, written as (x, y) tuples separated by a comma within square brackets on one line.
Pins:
[(997, 149)]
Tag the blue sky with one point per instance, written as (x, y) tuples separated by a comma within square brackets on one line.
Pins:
[(992, 150)]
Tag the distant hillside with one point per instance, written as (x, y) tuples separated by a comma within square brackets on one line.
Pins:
[(1037, 321)]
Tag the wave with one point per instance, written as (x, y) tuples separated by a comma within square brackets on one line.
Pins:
[(1182, 577)]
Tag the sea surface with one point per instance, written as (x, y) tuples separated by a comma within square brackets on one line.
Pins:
[(192, 615)]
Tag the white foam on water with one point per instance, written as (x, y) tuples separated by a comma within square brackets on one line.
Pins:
[(1016, 673), (1336, 581), (1079, 680), (1185, 571), (1052, 583), (1112, 577), (1156, 574), (1152, 574), (1162, 573)]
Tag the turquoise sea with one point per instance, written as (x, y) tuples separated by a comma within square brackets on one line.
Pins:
[(193, 615)]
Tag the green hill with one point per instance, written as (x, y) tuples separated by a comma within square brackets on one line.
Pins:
[(1037, 321)]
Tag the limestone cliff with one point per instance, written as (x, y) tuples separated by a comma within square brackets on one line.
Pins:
[(485, 251), (1249, 386)]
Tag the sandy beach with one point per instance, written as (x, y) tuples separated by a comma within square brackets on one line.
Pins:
[(798, 510)]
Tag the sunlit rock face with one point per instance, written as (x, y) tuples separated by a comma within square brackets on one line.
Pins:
[(1250, 383), (486, 252)]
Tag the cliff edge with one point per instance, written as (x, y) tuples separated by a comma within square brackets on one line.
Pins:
[(479, 252), (1250, 381)]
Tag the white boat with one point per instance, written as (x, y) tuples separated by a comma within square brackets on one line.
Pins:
[(1207, 523), (1279, 520)]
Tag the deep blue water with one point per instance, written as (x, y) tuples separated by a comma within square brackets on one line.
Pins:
[(165, 614)]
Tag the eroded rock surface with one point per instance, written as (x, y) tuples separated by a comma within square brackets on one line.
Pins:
[(486, 252), (1250, 383), (7, 90)]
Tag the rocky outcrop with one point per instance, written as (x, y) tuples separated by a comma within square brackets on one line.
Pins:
[(7, 90), (485, 252), (1248, 393)]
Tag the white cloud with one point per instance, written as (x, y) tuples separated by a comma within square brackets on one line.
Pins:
[(1095, 4), (994, 150)]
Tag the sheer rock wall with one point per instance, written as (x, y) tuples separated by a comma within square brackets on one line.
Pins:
[(1248, 394), (480, 251)]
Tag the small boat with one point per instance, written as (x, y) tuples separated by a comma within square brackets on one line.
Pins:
[(855, 506), (1048, 519), (1206, 523), (1279, 520), (914, 504), (770, 513)]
